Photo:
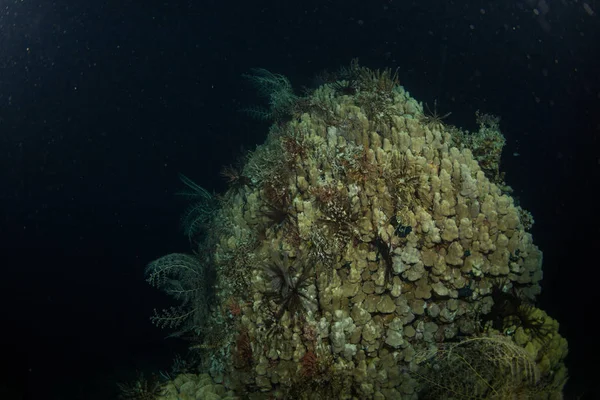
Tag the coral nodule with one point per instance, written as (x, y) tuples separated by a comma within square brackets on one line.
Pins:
[(371, 252)]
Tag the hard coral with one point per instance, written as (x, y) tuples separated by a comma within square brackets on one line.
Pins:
[(385, 231)]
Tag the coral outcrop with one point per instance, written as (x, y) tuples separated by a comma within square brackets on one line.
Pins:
[(362, 242)]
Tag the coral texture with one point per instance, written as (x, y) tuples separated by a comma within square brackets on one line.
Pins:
[(365, 241)]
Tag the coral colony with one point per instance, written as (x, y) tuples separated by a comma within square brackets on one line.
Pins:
[(366, 250)]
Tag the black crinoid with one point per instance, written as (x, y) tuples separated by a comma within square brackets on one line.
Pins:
[(235, 177), (510, 311), (346, 87), (141, 388), (288, 284), (277, 211), (278, 214), (431, 117)]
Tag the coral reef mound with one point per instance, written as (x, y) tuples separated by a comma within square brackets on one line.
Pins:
[(368, 250)]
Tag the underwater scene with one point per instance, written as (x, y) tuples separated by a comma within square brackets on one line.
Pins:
[(299, 200), (365, 250)]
